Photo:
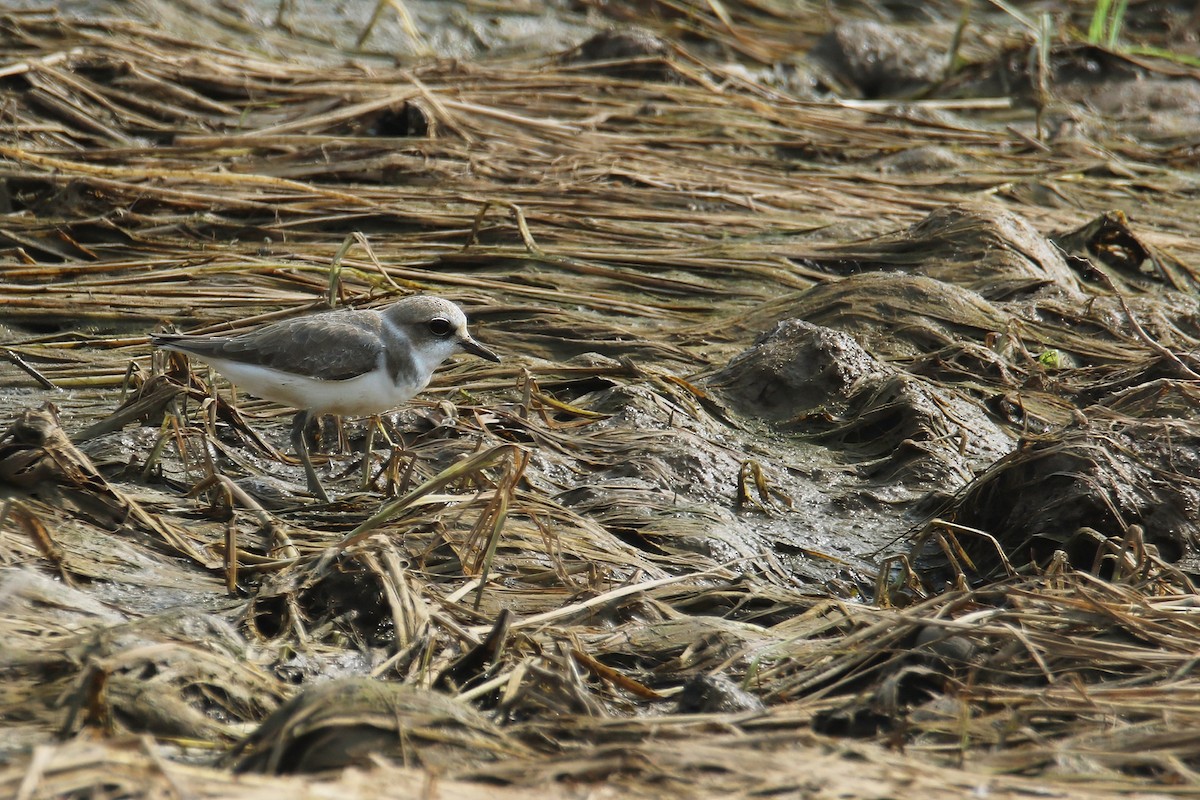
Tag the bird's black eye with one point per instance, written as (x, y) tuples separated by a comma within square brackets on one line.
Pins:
[(440, 327)]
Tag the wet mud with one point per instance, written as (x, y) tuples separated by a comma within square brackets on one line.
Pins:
[(847, 410)]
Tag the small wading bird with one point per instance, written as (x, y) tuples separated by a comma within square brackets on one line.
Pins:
[(348, 362)]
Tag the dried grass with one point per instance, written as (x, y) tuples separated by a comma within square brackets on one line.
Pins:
[(618, 240)]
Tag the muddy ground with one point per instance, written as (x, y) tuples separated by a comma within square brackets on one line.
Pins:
[(844, 441)]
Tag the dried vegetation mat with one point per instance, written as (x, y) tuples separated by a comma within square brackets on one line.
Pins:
[(839, 449)]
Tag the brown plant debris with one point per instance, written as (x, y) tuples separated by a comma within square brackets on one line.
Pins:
[(844, 442)]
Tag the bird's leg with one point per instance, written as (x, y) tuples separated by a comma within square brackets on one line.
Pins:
[(343, 443), (372, 424), (300, 444)]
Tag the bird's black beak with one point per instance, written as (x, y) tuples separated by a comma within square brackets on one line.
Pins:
[(476, 349)]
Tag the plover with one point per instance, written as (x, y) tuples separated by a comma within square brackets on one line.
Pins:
[(346, 361)]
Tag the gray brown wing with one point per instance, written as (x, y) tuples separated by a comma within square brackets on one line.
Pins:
[(330, 347)]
